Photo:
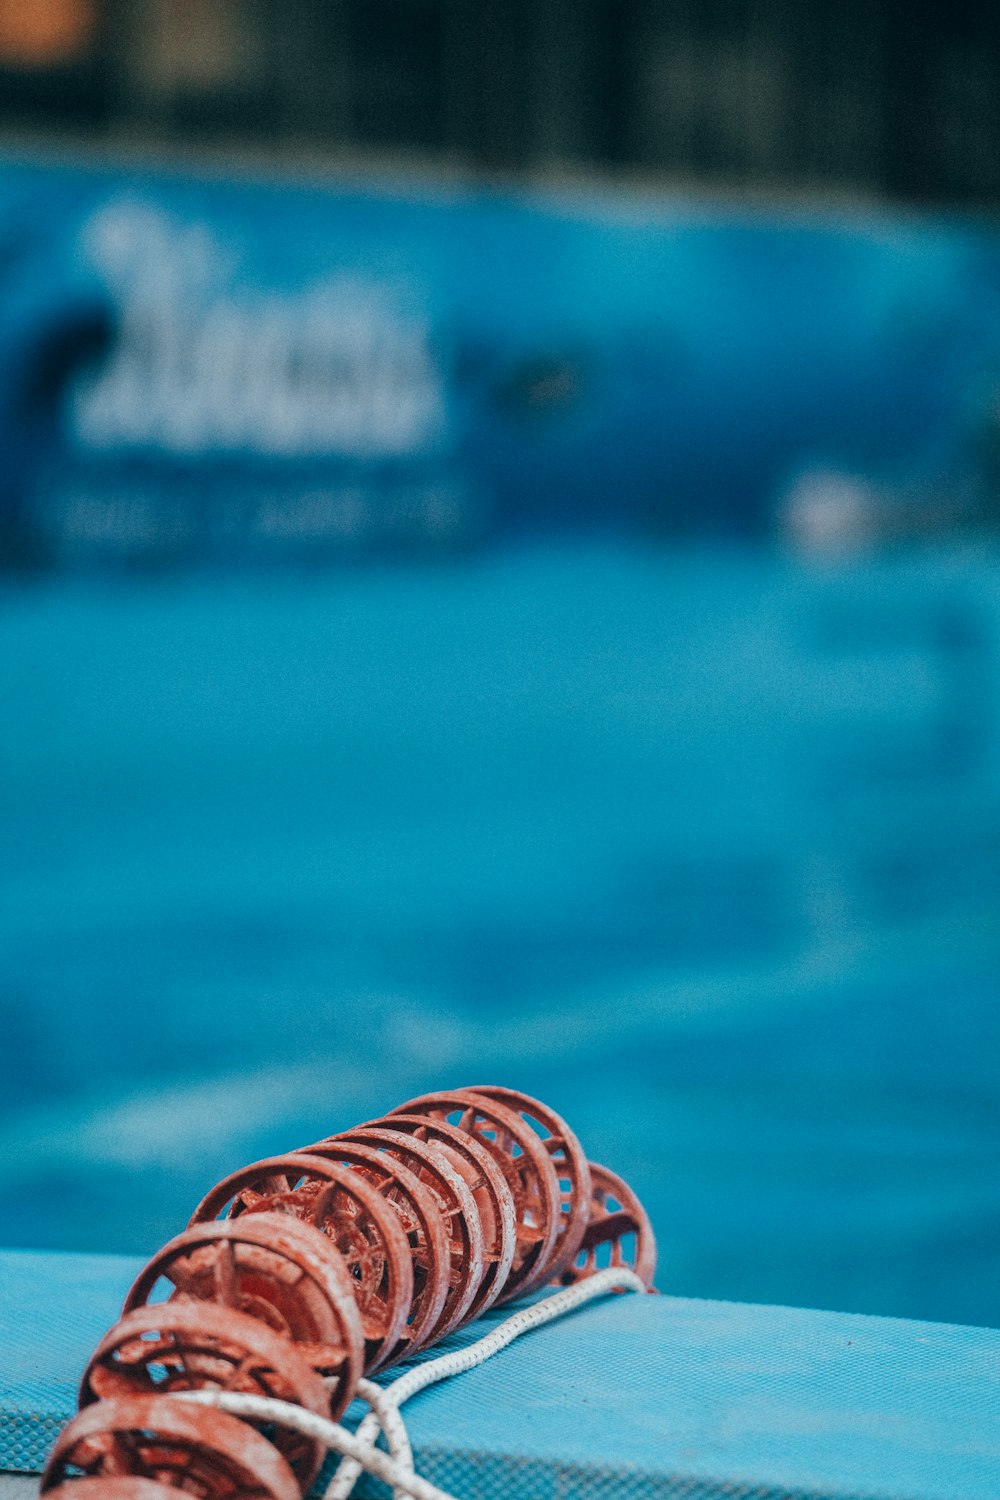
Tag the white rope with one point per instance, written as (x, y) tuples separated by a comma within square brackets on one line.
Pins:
[(358, 1450), (285, 1414), (385, 1414), (460, 1360)]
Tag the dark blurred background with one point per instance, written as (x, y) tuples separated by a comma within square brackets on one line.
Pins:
[(878, 98)]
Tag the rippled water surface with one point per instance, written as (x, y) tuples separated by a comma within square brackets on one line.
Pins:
[(703, 847)]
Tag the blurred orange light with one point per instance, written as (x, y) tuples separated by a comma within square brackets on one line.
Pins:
[(44, 33)]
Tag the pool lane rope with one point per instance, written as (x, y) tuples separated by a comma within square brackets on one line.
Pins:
[(358, 1450), (301, 1276)]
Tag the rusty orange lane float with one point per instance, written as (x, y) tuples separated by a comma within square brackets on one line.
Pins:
[(423, 1227), (207, 1453), (526, 1166), (111, 1487), (456, 1206), (572, 1170), (618, 1234), (185, 1345), (348, 1209), (273, 1268), (301, 1272), (488, 1186)]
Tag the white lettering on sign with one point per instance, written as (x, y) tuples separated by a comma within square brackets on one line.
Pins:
[(205, 361)]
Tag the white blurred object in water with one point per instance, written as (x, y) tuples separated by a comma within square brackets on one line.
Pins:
[(826, 512)]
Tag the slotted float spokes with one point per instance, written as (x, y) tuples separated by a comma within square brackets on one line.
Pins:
[(206, 1453), (271, 1267), (351, 1212), (572, 1172), (489, 1188), (301, 1272), (618, 1234), (420, 1218), (183, 1345), (527, 1169), (456, 1206)]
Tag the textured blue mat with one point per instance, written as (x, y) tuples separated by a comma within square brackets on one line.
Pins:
[(662, 1397)]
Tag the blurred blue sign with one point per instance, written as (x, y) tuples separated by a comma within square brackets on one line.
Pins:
[(192, 367)]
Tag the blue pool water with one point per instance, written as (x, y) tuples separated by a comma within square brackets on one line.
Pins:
[(702, 846)]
